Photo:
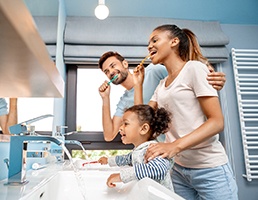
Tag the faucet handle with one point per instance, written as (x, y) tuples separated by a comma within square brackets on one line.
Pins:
[(59, 128), (21, 127)]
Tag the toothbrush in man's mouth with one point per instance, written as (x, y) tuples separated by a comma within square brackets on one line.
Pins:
[(114, 78)]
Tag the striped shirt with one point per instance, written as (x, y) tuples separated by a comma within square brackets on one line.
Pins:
[(157, 169)]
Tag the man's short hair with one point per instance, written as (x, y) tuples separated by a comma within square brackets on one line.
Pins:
[(109, 54)]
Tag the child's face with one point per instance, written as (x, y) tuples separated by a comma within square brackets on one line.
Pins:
[(130, 129)]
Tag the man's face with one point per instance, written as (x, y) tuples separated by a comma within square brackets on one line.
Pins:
[(112, 66)]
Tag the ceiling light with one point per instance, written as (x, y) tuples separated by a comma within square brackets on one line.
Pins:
[(101, 11)]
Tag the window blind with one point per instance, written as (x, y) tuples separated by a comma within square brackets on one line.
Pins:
[(87, 38)]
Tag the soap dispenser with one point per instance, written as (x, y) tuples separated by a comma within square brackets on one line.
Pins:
[(56, 150)]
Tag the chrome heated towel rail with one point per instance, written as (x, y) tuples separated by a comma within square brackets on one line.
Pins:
[(245, 63)]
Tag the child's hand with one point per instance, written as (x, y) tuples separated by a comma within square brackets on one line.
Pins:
[(112, 179), (103, 160)]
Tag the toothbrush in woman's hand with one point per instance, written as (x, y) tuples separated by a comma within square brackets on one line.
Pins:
[(142, 62), (138, 68)]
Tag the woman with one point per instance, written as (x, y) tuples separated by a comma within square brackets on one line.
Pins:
[(201, 169)]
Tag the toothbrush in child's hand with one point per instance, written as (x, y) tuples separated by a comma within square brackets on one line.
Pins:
[(90, 162), (114, 78)]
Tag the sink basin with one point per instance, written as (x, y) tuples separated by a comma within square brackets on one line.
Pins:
[(64, 185), (60, 182)]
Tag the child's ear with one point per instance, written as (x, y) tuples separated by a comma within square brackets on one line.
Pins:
[(145, 129)]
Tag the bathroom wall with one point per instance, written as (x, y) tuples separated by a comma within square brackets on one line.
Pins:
[(228, 12), (241, 37)]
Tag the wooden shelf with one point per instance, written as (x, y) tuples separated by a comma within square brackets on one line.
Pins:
[(26, 68)]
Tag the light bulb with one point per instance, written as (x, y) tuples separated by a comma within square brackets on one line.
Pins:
[(101, 11)]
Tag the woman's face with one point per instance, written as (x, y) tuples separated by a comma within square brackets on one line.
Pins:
[(159, 46)]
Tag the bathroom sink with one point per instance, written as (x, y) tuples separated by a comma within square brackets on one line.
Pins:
[(61, 182), (66, 185)]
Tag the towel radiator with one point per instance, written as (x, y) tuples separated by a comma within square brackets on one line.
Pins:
[(245, 64)]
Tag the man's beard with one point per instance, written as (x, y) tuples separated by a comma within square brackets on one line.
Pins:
[(123, 76)]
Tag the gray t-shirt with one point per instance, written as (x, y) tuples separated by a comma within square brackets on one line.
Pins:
[(3, 107)]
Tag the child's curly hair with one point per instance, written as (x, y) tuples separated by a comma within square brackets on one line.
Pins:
[(158, 119)]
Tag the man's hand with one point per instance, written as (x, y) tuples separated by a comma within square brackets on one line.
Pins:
[(104, 89), (216, 79)]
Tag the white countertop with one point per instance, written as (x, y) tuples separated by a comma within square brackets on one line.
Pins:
[(36, 179)]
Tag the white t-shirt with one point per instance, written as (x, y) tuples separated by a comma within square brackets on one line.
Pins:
[(180, 98)]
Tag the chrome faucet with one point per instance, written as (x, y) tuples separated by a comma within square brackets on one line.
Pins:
[(17, 155), (17, 167), (76, 142), (20, 128)]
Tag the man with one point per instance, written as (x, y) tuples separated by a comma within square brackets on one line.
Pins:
[(8, 119), (112, 63)]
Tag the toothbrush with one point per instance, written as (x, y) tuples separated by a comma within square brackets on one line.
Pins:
[(136, 70), (114, 78), (142, 62), (90, 162)]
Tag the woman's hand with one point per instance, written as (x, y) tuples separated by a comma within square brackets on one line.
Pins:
[(112, 179), (164, 150), (138, 75)]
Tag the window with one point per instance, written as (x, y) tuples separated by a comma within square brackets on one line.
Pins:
[(89, 102), (84, 108), (29, 108)]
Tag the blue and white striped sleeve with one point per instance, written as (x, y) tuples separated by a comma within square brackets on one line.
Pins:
[(121, 160), (155, 169)]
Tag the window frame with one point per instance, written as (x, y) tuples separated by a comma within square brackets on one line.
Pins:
[(91, 140)]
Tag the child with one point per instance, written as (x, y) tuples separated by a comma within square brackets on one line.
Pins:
[(141, 125)]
